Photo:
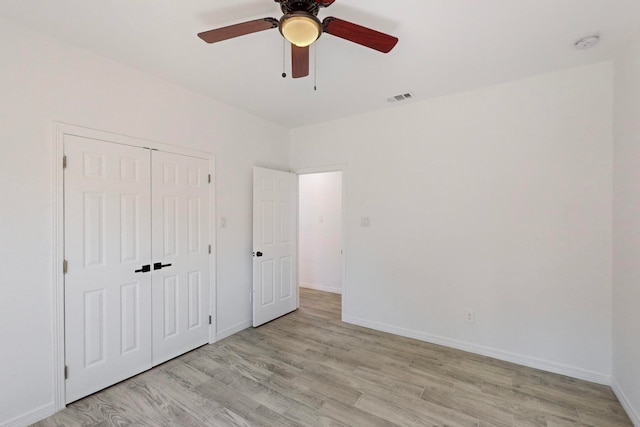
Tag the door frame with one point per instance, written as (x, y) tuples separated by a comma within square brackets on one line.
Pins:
[(322, 169), (57, 309)]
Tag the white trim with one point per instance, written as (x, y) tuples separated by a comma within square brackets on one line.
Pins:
[(233, 330), (320, 169), (334, 168), (31, 417), (62, 129), (213, 241), (626, 404), (58, 274), (84, 132), (323, 288), (531, 362)]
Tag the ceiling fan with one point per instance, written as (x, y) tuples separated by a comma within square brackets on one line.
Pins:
[(300, 26)]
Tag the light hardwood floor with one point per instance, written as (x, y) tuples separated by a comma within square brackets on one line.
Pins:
[(310, 369)]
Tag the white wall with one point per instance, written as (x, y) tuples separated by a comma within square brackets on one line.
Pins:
[(320, 231), (497, 200), (42, 81), (626, 230)]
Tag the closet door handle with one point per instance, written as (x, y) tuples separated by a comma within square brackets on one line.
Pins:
[(144, 269), (159, 265)]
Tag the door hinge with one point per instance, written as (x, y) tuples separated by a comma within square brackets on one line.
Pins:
[(66, 372), (65, 266), (209, 178), (209, 319), (209, 248), (64, 162)]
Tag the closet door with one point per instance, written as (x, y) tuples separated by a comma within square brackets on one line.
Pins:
[(180, 230), (107, 243)]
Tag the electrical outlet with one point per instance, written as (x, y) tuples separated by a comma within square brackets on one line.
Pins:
[(223, 222), (365, 221), (469, 316)]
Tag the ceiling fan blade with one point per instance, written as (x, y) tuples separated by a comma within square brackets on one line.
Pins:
[(220, 34), (358, 34), (299, 61)]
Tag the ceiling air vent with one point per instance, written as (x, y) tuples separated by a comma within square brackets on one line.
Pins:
[(402, 97)]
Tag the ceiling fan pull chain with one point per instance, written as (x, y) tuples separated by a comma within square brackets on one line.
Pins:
[(284, 47), (315, 66)]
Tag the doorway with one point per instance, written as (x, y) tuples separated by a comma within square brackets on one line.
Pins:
[(320, 231)]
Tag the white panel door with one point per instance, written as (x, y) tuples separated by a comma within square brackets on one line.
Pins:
[(180, 230), (275, 251), (107, 242)]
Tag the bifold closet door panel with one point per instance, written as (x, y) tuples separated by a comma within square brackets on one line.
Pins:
[(180, 235), (107, 242)]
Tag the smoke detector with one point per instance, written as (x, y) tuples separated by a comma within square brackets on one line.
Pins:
[(587, 42)]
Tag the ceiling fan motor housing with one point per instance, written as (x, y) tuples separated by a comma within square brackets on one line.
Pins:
[(307, 6)]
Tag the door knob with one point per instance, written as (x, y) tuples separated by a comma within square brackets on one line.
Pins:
[(258, 254), (159, 265), (144, 269)]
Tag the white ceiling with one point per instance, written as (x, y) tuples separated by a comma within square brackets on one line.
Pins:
[(445, 46)]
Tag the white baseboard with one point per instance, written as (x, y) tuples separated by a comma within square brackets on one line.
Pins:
[(633, 413), (531, 362), (31, 417), (333, 290), (232, 330)]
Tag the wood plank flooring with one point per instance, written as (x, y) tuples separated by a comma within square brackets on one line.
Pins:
[(310, 369)]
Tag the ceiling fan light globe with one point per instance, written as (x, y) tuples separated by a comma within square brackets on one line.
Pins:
[(301, 30)]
